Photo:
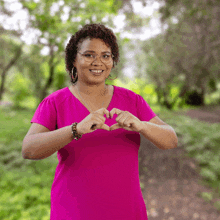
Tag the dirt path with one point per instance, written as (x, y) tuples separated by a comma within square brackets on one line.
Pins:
[(171, 180), (210, 114)]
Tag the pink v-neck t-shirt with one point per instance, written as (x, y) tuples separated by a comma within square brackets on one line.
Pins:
[(97, 176)]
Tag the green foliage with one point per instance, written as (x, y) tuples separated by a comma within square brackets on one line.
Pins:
[(14, 126), (110, 6), (10, 54), (207, 196), (61, 76), (117, 71), (9, 46), (153, 64), (147, 91), (54, 21), (214, 97), (142, 185), (60, 80), (217, 205), (20, 88), (24, 185), (25, 195), (201, 141), (196, 62)]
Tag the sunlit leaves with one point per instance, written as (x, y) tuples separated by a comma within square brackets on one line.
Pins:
[(30, 5)]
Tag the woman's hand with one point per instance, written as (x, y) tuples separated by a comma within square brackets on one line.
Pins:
[(125, 120), (93, 121)]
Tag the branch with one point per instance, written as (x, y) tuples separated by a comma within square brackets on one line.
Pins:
[(12, 61)]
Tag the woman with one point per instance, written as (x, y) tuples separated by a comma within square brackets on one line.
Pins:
[(95, 129)]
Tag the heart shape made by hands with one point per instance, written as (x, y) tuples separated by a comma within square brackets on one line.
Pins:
[(116, 125), (124, 120), (111, 114)]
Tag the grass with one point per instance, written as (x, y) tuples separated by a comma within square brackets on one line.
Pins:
[(25, 185)]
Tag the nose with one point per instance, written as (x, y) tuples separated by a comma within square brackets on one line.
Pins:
[(97, 60)]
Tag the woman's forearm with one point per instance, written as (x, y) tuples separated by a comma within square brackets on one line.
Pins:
[(41, 145), (162, 136)]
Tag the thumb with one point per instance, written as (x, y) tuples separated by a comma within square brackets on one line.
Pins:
[(105, 127)]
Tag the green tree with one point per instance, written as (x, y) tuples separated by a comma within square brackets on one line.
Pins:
[(56, 21), (10, 53), (192, 43), (11, 48), (157, 69), (188, 47)]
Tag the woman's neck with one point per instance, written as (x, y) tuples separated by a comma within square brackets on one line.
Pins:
[(93, 90)]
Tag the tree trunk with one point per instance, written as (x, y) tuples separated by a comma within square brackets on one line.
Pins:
[(166, 103), (203, 95), (51, 76), (159, 96), (5, 70)]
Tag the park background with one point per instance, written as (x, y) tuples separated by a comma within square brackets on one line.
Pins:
[(169, 52)]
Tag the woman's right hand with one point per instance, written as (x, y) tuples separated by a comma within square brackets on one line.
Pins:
[(93, 121)]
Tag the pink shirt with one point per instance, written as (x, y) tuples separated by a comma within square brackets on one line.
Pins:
[(97, 177)]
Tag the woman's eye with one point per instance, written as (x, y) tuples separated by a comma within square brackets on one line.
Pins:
[(106, 56), (88, 55)]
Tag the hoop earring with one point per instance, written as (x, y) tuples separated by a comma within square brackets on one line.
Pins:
[(73, 78), (111, 79)]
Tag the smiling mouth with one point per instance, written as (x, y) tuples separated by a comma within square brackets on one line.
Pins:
[(96, 71)]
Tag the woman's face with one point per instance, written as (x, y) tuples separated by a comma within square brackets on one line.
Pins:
[(89, 70)]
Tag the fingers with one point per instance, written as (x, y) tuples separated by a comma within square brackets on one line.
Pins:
[(99, 123), (103, 111), (123, 120), (115, 111), (105, 127), (100, 119), (100, 126), (114, 127), (96, 115), (106, 112)]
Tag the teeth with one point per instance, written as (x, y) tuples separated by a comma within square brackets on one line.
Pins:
[(96, 71)]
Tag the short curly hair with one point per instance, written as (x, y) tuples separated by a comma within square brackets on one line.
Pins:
[(89, 31)]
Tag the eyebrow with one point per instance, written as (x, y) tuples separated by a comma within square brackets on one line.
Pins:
[(94, 51)]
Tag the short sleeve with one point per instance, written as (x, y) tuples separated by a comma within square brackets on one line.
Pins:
[(46, 114), (144, 111)]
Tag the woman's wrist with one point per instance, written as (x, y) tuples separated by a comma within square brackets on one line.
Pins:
[(78, 129)]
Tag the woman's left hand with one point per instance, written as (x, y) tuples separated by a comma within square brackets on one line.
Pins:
[(125, 120)]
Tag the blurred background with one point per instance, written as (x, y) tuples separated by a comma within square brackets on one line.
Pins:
[(169, 54)]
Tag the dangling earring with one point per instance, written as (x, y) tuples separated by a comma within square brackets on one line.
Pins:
[(74, 78)]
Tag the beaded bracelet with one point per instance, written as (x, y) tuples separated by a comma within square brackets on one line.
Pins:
[(76, 136)]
